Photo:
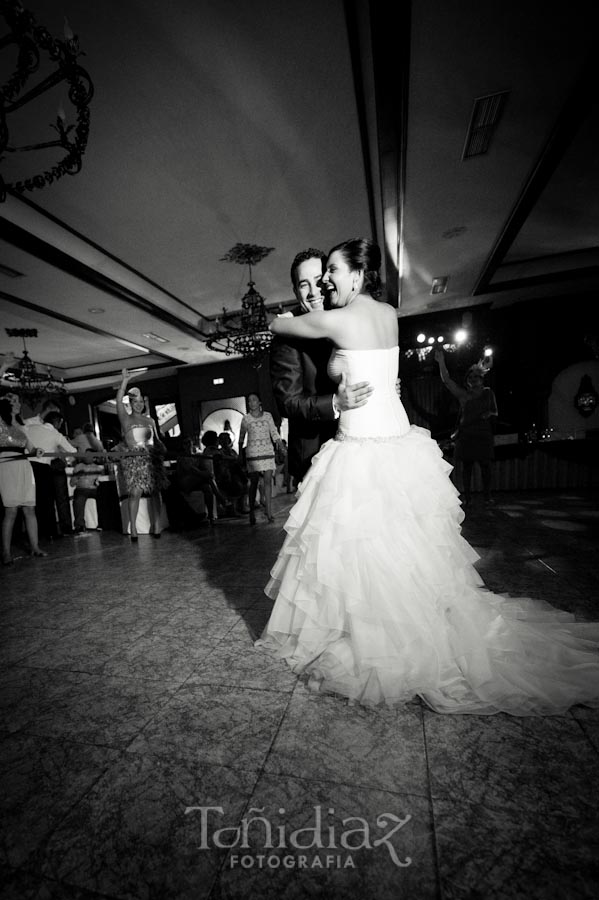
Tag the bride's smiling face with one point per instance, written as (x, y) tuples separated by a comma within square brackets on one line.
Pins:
[(339, 281)]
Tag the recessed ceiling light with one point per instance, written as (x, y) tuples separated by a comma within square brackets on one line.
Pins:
[(96, 309), (439, 285)]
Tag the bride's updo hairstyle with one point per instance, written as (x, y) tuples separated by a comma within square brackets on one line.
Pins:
[(360, 253)]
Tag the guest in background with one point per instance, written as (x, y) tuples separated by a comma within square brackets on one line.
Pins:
[(45, 406), (228, 430), (192, 473), (84, 437), (209, 441), (85, 481), (259, 454), (17, 484), (143, 472), (49, 471), (474, 441), (231, 475)]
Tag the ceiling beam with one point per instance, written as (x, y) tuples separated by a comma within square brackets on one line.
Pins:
[(53, 256), (580, 103), (68, 320)]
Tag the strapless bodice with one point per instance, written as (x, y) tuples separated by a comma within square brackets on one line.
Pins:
[(383, 415), (139, 435)]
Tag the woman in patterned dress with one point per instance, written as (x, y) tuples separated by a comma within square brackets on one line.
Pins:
[(262, 436), (143, 473)]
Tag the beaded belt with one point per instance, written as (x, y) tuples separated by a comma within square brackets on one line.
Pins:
[(392, 438)]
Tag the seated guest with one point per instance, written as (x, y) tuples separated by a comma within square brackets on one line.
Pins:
[(84, 438), (226, 445), (194, 473), (210, 443), (230, 474), (85, 481)]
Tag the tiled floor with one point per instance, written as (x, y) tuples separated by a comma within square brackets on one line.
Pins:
[(140, 731)]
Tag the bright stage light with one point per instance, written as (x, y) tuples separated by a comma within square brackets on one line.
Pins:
[(460, 336), (421, 338)]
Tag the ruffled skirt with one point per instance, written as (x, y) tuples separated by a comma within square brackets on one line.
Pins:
[(377, 597), (144, 472)]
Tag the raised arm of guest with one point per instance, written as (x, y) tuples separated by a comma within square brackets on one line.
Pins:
[(120, 394), (459, 392)]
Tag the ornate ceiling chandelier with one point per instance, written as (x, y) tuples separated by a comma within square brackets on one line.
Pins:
[(54, 61), (24, 377), (244, 332)]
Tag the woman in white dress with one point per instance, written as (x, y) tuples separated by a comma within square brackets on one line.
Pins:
[(376, 594), (17, 484)]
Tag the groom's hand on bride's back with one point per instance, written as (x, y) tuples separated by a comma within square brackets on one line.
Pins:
[(350, 396)]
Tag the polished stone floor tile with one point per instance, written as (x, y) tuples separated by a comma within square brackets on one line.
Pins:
[(87, 649), (487, 853), (510, 762), (161, 656), (326, 738), (26, 695), (99, 709), (42, 780), (215, 724), (19, 643), (331, 841), (252, 623), (588, 719), (59, 615), (131, 691), (18, 884), (198, 616), (138, 832), (236, 663)]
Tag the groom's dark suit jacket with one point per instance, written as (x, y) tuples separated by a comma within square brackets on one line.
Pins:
[(304, 395)]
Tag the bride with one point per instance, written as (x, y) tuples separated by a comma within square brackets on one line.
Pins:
[(376, 594)]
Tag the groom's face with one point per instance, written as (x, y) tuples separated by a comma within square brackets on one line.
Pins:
[(308, 287)]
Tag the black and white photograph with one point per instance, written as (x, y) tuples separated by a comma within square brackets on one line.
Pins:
[(299, 450)]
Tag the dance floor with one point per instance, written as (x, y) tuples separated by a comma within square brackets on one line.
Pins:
[(150, 753)]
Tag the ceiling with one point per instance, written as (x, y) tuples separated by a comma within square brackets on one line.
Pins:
[(215, 122)]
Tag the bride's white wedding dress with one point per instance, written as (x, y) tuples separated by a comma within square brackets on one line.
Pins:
[(376, 594)]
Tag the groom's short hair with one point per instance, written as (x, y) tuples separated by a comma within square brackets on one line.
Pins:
[(310, 253)]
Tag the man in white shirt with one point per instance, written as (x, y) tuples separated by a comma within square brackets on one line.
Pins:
[(52, 493)]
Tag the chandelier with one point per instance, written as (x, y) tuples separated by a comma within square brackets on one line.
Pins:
[(244, 332), (56, 62), (24, 378)]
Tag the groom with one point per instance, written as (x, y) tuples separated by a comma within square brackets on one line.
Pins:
[(304, 393)]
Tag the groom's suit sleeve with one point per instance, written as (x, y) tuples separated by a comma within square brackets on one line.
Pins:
[(293, 377)]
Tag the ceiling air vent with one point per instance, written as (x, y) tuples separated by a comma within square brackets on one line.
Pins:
[(485, 117), (10, 273)]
